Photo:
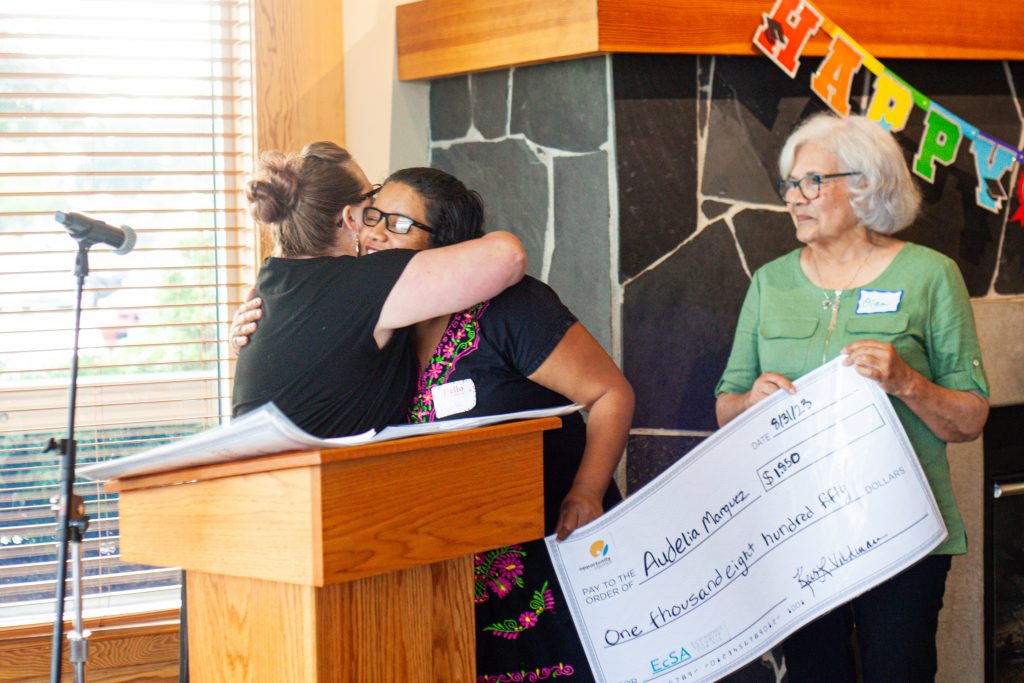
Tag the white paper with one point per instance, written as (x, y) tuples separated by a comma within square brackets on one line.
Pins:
[(403, 431), (267, 431), (796, 506)]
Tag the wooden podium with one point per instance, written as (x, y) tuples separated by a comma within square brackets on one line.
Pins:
[(352, 564)]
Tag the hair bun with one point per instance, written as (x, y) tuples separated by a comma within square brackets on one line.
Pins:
[(274, 194)]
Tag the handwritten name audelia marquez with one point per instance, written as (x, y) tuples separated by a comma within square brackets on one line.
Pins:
[(676, 547)]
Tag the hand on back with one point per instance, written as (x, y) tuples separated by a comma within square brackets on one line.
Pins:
[(244, 322)]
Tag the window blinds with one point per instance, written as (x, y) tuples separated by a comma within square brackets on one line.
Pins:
[(138, 113)]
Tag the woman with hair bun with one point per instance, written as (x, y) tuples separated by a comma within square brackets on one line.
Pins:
[(333, 353), (901, 315), (519, 350)]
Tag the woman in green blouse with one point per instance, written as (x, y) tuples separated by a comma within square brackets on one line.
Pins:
[(901, 314)]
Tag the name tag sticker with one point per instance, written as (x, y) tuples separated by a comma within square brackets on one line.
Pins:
[(878, 301), (454, 398)]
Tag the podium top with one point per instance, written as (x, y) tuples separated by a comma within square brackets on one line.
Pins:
[(310, 458)]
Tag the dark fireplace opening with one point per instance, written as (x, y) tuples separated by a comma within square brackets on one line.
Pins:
[(1004, 545)]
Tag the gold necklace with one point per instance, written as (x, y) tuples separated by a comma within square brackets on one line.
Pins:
[(828, 302)]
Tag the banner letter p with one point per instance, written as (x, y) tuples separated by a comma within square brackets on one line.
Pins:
[(940, 143)]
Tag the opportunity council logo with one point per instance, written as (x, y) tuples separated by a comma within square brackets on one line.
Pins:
[(599, 550)]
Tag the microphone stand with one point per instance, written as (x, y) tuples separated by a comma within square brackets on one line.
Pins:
[(70, 508)]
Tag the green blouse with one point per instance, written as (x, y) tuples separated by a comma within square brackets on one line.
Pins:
[(919, 304)]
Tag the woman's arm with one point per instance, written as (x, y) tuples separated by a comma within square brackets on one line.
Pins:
[(579, 369), (435, 282), (449, 279), (729, 405), (952, 415)]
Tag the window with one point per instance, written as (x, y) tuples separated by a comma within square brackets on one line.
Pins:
[(135, 112)]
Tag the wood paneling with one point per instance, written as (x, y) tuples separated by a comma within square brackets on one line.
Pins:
[(258, 523), (404, 626), (416, 510), (132, 648), (447, 37), (299, 79), (300, 86)]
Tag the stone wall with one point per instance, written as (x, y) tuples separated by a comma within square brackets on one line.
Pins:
[(535, 143), (691, 236), (642, 187)]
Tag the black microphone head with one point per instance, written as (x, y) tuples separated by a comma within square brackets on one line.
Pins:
[(89, 231)]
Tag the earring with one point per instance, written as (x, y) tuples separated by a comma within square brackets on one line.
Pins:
[(359, 247)]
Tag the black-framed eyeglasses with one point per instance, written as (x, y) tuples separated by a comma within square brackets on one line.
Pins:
[(809, 185), (393, 222)]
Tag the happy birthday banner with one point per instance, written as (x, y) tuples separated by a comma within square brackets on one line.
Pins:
[(782, 37)]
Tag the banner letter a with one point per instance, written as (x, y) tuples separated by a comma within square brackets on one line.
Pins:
[(831, 82)]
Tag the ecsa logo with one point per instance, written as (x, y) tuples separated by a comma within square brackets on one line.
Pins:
[(598, 548), (671, 660)]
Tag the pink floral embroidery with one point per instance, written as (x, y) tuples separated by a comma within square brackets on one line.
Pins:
[(527, 619), (497, 571), (512, 567), (539, 674), (460, 338), (500, 587), (542, 601)]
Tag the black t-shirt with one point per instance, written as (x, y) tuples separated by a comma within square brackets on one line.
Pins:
[(314, 354), (495, 346)]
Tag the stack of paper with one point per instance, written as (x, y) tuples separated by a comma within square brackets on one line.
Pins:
[(266, 431)]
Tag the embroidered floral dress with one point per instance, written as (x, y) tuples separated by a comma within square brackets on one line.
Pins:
[(524, 631)]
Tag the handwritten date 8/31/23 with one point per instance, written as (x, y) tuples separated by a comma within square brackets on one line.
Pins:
[(791, 415)]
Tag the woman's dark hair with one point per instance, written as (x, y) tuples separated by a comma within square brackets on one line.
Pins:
[(301, 196), (455, 212)]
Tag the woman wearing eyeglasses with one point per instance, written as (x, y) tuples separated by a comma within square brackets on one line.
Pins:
[(901, 314), (333, 353), (519, 350)]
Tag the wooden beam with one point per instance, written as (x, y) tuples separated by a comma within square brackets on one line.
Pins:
[(447, 37)]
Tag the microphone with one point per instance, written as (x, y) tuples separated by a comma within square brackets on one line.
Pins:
[(89, 231)]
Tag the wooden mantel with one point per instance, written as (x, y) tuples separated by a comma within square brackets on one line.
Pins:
[(448, 37)]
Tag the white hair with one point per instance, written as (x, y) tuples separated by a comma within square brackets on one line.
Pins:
[(884, 198)]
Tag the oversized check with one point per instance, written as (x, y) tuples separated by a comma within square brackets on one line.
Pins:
[(796, 506)]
